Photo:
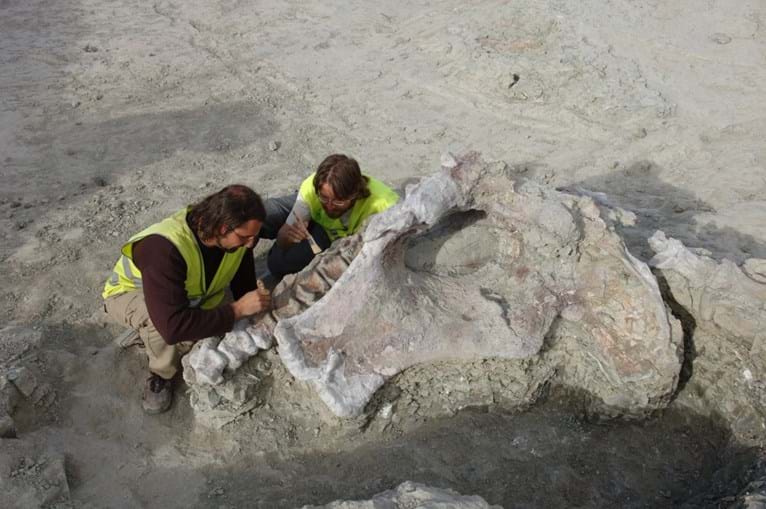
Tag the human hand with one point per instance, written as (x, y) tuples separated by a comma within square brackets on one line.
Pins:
[(251, 303), (292, 233)]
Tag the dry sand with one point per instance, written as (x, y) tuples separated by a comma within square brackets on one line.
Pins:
[(113, 114)]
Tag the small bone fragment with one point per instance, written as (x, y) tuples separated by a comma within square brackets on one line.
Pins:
[(238, 346), (313, 282), (306, 298), (208, 363), (332, 267), (261, 333), (287, 309)]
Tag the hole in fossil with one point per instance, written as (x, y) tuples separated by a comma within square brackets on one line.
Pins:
[(459, 244)]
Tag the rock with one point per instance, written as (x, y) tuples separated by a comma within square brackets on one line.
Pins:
[(7, 426), (274, 146), (720, 38), (100, 182), (719, 293), (723, 309), (24, 380), (237, 391), (32, 478), (16, 341), (44, 395), (755, 268), (9, 396), (622, 216), (752, 497), (209, 398), (90, 48), (410, 494)]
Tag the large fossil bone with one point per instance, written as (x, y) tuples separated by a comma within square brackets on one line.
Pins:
[(472, 265)]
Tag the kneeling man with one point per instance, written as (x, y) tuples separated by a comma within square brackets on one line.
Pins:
[(332, 203), (169, 283)]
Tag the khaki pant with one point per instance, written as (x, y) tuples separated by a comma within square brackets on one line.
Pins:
[(130, 309)]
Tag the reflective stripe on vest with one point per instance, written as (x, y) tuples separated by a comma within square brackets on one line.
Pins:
[(114, 279), (381, 197), (126, 276)]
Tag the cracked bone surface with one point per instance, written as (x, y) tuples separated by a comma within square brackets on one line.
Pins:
[(724, 308), (476, 264), (207, 362), (410, 494), (718, 293), (212, 357)]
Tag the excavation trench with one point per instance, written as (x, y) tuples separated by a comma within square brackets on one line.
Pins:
[(545, 457)]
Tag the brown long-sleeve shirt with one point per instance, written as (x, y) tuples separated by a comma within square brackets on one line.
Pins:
[(163, 271)]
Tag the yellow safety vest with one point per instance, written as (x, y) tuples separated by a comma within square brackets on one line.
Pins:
[(126, 277), (381, 197)]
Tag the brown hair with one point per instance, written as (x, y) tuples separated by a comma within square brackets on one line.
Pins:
[(230, 207), (343, 175)]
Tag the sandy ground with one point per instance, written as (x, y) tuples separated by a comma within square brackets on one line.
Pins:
[(113, 114)]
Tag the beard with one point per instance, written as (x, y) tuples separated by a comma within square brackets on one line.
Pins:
[(224, 249)]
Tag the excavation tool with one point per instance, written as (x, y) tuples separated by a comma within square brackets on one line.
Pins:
[(314, 246), (312, 242)]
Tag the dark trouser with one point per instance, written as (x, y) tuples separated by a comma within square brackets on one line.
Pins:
[(294, 258)]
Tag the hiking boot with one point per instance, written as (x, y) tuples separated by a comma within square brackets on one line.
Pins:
[(158, 394)]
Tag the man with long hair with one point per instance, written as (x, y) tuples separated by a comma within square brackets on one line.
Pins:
[(170, 281), (332, 203)]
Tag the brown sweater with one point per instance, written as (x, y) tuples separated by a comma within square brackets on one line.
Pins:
[(163, 271)]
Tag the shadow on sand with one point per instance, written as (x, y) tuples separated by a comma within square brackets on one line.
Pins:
[(661, 206), (543, 458)]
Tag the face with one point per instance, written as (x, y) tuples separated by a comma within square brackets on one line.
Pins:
[(245, 235), (331, 204)]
